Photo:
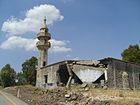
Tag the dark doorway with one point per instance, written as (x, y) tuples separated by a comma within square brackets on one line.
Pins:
[(63, 74), (46, 78)]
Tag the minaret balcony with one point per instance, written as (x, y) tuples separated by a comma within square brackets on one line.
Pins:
[(44, 35), (43, 45)]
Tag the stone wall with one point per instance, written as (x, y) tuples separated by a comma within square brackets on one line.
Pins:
[(50, 72), (136, 76), (120, 72)]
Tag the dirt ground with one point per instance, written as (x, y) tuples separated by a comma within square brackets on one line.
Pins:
[(74, 96)]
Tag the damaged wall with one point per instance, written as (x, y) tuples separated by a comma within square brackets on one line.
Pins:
[(116, 73), (87, 73)]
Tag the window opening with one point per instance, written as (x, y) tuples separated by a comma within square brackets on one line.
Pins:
[(46, 78), (44, 63)]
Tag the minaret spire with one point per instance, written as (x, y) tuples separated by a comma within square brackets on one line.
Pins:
[(44, 19), (43, 44), (44, 26)]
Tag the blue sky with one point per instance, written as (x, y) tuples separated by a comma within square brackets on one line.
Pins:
[(80, 29)]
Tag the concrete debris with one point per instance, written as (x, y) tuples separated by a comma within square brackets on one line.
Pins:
[(105, 87), (95, 63), (83, 85), (101, 65), (94, 86), (67, 95), (74, 96), (87, 89)]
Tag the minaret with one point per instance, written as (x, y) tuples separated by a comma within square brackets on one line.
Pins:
[(43, 45)]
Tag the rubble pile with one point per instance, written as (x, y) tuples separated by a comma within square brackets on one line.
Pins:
[(92, 63), (65, 96)]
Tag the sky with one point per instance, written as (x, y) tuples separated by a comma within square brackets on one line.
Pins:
[(80, 29)]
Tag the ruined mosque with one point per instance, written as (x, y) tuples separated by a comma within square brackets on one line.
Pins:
[(110, 72)]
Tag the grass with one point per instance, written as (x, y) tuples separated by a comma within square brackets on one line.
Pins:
[(110, 92)]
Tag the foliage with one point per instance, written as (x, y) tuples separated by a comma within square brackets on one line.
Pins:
[(131, 54), (8, 76), (29, 71), (21, 79)]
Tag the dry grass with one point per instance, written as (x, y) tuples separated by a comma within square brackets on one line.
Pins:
[(126, 102), (110, 92), (120, 97), (117, 93)]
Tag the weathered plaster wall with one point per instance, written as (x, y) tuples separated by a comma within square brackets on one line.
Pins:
[(51, 72), (39, 78), (88, 73)]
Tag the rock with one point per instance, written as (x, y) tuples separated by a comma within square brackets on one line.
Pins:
[(67, 95), (83, 85), (87, 89), (61, 84), (101, 65), (74, 96), (112, 97), (96, 63), (94, 85), (105, 87)]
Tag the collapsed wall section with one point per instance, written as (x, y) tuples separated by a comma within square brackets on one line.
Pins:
[(88, 74)]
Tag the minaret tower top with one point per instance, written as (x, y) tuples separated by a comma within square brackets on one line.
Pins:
[(43, 44), (44, 23)]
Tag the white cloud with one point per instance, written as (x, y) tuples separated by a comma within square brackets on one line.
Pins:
[(19, 42), (58, 49), (58, 42), (59, 46), (33, 20), (30, 44), (15, 27)]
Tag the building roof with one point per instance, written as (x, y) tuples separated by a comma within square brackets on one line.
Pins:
[(104, 61)]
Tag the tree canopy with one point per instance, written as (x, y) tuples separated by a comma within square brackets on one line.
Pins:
[(131, 54), (29, 70), (21, 79), (8, 76)]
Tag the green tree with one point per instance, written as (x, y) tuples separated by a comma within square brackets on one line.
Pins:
[(21, 79), (131, 54), (29, 70), (8, 76)]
